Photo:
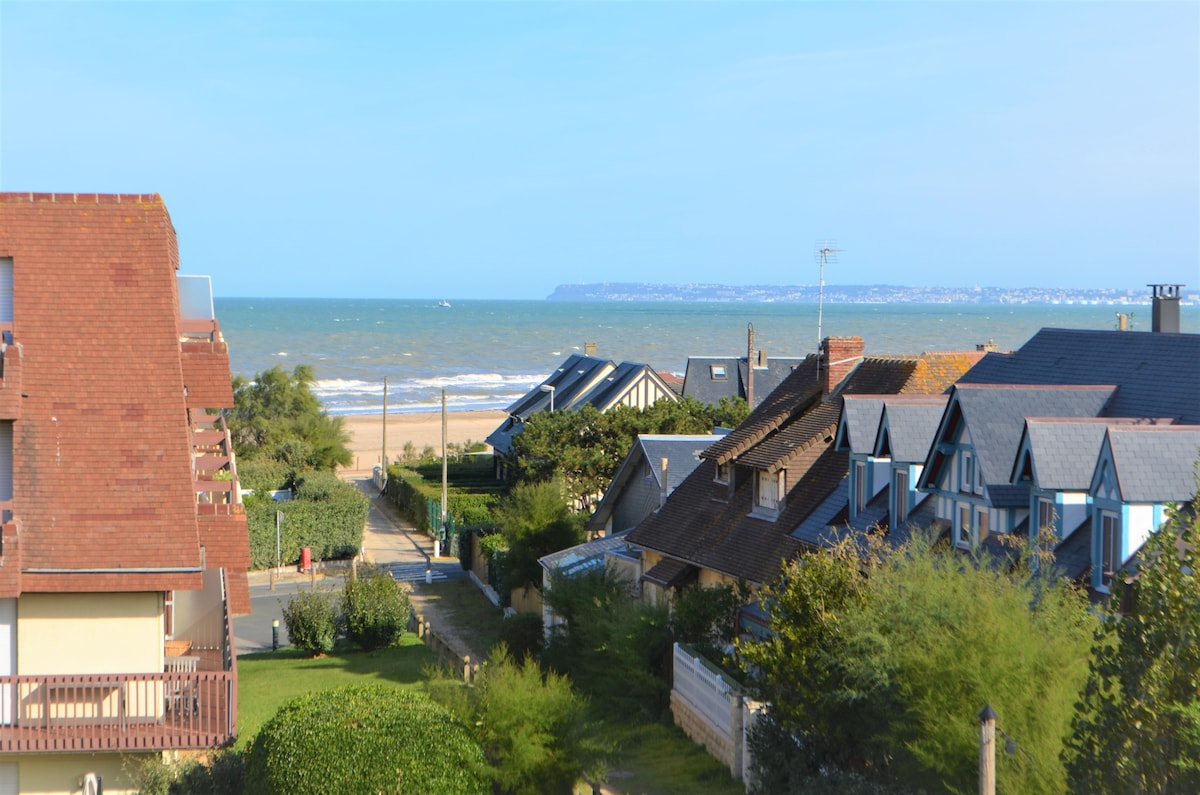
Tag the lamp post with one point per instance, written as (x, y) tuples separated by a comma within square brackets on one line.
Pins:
[(549, 388)]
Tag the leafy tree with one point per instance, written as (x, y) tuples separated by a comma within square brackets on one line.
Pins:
[(276, 416), (704, 617), (584, 447), (531, 724), (1138, 723), (311, 621), (535, 521), (884, 673), (376, 609), (365, 739)]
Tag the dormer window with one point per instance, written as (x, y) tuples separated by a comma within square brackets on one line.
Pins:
[(768, 492), (723, 472), (717, 371)]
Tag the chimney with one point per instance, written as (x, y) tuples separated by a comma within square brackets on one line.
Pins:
[(589, 349), (987, 347), (762, 359), (1165, 308), (839, 357), (666, 489)]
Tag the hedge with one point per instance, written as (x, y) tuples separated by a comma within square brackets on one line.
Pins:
[(331, 526), (365, 739), (412, 494)]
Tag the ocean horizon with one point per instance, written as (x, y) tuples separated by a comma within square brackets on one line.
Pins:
[(486, 354)]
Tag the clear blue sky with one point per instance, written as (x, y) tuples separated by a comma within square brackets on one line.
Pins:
[(463, 150)]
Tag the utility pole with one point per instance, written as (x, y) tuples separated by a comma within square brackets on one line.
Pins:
[(987, 751), (437, 552), (383, 455)]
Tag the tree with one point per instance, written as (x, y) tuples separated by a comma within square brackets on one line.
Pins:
[(1138, 723), (530, 723), (584, 447), (276, 416), (705, 617), (882, 658), (535, 521), (375, 608)]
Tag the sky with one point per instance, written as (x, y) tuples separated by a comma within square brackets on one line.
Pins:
[(499, 149)]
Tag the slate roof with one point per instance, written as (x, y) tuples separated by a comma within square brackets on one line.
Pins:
[(860, 423), (1062, 452), (1156, 374), (681, 451), (102, 451), (1073, 555), (908, 425), (792, 429), (995, 418), (1155, 463), (699, 384)]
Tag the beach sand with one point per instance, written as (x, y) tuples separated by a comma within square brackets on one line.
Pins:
[(421, 428)]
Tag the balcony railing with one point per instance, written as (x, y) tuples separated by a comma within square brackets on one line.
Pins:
[(85, 712)]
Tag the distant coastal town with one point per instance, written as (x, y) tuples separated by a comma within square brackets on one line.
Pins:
[(859, 294)]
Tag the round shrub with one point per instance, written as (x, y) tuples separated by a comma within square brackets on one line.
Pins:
[(376, 609), (365, 739), (311, 621)]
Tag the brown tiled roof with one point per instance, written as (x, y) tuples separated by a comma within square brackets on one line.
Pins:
[(103, 490), (792, 432)]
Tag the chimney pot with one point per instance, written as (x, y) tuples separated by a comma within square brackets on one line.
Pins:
[(1164, 316)]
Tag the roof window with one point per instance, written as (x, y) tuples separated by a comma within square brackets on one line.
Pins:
[(717, 371)]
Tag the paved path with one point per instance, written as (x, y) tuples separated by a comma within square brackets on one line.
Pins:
[(388, 541)]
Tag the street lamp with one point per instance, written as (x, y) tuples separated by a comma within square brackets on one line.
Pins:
[(549, 388)]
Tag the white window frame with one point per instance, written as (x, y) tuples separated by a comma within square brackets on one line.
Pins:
[(1047, 516), (717, 372), (962, 525), (981, 523), (966, 472), (768, 492)]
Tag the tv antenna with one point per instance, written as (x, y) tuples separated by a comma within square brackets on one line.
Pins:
[(826, 251)]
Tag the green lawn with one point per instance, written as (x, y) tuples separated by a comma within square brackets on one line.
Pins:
[(475, 619), (653, 759), (267, 679)]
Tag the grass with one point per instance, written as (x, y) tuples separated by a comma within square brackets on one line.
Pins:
[(474, 619), (267, 679), (655, 759)]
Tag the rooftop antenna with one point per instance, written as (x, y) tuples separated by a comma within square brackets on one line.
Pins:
[(826, 251)]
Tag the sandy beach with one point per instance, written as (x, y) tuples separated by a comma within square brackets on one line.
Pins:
[(421, 428)]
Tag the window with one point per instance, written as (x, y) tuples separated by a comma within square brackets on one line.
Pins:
[(860, 486), (717, 371), (1110, 547), (1047, 518), (723, 472), (769, 494), (900, 497), (966, 480), (981, 523), (962, 533)]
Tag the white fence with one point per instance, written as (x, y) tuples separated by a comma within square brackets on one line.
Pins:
[(711, 711), (705, 690)]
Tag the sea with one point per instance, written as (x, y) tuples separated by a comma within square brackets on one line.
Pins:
[(486, 354)]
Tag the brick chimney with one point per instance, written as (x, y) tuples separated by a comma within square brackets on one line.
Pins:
[(839, 356), (1164, 308)]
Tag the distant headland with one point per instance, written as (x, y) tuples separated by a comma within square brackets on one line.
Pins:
[(857, 294)]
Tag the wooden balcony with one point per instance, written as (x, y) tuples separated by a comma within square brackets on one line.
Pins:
[(117, 712)]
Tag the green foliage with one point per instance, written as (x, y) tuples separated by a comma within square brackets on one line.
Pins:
[(365, 739), (264, 474), (1136, 729), (311, 621), (277, 417), (529, 723), (376, 609), (704, 617), (887, 672), (223, 773), (524, 635), (584, 447), (472, 496), (327, 516), (535, 520), (616, 649)]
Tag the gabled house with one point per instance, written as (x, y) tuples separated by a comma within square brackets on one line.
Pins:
[(711, 379), (581, 381), (123, 548), (1140, 470), (655, 465), (733, 518)]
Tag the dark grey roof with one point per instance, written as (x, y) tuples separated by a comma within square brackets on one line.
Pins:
[(1156, 374), (814, 530), (1155, 463), (1063, 452), (860, 423), (1073, 556), (995, 418), (909, 424), (699, 384), (571, 380), (617, 383)]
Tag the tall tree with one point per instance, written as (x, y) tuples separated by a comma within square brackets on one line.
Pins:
[(1138, 724), (880, 663), (535, 521), (276, 416)]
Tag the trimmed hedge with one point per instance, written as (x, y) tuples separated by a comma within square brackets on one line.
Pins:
[(365, 739), (411, 493), (326, 516)]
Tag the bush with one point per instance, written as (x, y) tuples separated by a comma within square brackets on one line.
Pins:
[(524, 635), (365, 739), (327, 516), (311, 621), (376, 609)]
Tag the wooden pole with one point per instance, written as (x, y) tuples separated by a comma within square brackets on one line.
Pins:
[(442, 532), (383, 453), (987, 751)]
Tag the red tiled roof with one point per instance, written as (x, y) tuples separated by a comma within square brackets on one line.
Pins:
[(102, 459)]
